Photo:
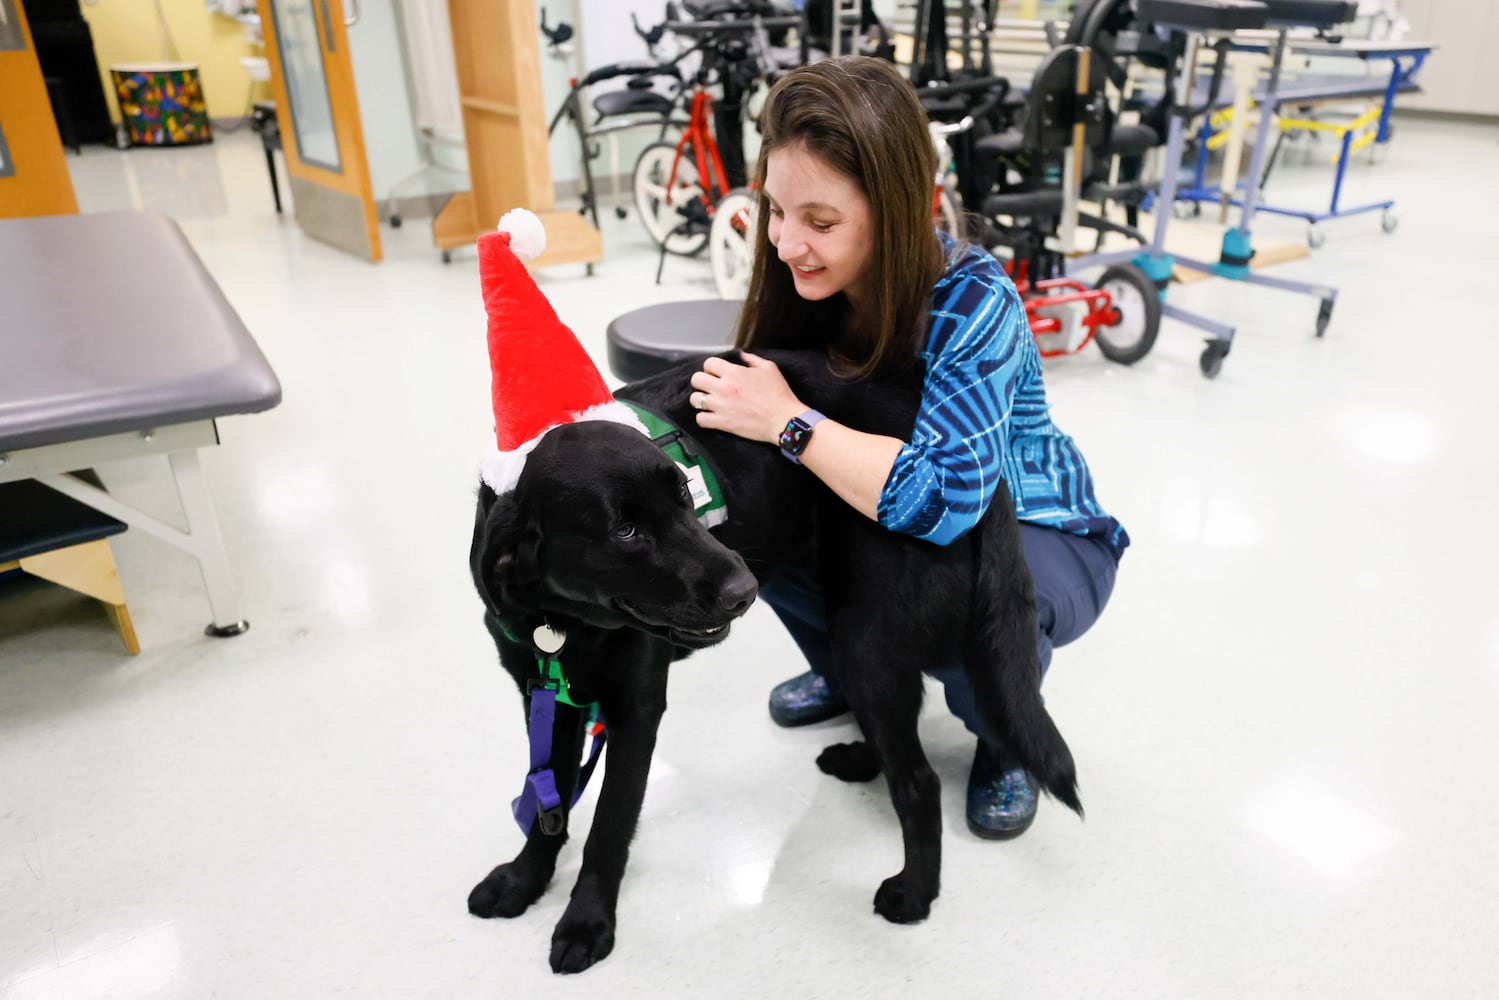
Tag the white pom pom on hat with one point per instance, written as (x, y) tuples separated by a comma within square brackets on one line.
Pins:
[(528, 237)]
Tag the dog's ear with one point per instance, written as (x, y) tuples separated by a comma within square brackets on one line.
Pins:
[(506, 551)]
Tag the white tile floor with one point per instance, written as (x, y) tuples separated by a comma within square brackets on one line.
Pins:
[(1284, 723)]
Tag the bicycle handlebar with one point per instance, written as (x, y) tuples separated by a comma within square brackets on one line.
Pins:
[(636, 69), (937, 128), (562, 33), (966, 87), (997, 87), (1215, 84), (650, 37), (716, 8), (736, 26)]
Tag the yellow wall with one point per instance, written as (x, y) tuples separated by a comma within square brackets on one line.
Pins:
[(127, 31)]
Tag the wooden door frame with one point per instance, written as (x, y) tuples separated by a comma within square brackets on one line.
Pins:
[(38, 182)]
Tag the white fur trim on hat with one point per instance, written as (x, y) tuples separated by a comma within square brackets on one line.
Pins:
[(528, 237), (501, 470)]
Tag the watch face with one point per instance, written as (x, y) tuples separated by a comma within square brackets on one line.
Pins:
[(796, 435)]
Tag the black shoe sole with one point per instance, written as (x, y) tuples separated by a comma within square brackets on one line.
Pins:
[(821, 715), (988, 833)]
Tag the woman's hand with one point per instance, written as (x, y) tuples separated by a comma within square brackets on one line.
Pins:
[(751, 400)]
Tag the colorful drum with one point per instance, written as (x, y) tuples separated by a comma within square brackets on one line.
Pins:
[(161, 104)]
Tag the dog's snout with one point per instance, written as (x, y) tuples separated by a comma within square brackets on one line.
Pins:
[(738, 593)]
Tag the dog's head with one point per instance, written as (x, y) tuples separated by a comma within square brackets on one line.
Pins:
[(600, 530)]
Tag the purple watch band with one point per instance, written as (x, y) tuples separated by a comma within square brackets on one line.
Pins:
[(798, 433)]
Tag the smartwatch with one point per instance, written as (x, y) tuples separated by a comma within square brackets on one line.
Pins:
[(798, 434)]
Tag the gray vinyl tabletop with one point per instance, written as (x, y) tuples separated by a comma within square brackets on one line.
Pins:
[(109, 323)]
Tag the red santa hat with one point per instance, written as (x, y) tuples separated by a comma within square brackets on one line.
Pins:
[(542, 377)]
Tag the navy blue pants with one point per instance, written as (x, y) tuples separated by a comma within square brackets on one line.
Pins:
[(1074, 578)]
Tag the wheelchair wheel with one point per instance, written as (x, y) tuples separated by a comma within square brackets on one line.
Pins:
[(731, 243), (667, 219), (1139, 304), (947, 217)]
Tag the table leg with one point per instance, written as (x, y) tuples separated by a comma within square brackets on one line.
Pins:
[(201, 539), (270, 165), (203, 527)]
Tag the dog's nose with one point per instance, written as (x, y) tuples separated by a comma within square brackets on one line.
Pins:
[(738, 593)]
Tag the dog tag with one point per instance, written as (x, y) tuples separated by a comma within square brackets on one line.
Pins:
[(547, 639), (696, 486)]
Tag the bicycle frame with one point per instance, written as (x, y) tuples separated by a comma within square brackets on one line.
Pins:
[(1052, 293), (699, 135)]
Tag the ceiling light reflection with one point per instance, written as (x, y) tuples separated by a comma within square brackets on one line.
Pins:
[(298, 496), (1219, 521), (1308, 819), (1402, 437), (144, 966), (748, 878)]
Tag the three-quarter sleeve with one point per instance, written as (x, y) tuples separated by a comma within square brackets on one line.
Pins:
[(943, 480)]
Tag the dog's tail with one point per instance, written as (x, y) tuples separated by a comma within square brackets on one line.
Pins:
[(1001, 659)]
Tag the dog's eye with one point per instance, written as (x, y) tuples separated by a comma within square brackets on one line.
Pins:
[(626, 530)]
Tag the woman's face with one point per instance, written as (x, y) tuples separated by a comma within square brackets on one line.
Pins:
[(820, 224)]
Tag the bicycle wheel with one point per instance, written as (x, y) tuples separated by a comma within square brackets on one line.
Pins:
[(1139, 304), (946, 214), (731, 243), (676, 219)]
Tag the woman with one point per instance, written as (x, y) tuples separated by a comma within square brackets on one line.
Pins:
[(847, 259)]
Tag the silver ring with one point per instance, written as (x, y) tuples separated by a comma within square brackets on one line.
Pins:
[(700, 401)]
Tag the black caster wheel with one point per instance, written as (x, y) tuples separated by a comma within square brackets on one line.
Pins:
[(620, 213), (395, 222), (1315, 237), (447, 256), (1211, 361), (1324, 316), (588, 270), (226, 631), (1388, 221)]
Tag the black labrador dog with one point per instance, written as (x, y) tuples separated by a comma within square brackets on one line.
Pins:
[(598, 541)]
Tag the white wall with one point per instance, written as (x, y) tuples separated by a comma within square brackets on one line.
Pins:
[(555, 73), (1463, 73), (384, 105)]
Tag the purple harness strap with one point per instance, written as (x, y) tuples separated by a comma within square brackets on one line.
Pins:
[(538, 800)]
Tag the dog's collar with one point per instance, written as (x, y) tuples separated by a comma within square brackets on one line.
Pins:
[(539, 801), (707, 496)]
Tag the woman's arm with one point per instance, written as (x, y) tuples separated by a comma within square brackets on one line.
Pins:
[(939, 484), (979, 349), (753, 401)]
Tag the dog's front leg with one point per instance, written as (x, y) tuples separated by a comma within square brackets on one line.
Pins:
[(585, 934), (512, 887)]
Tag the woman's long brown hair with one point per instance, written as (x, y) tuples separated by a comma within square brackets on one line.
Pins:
[(861, 118)]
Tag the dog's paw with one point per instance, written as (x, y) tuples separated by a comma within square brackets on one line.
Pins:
[(850, 762), (900, 901), (584, 936), (505, 892)]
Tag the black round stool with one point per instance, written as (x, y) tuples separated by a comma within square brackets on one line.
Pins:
[(650, 340)]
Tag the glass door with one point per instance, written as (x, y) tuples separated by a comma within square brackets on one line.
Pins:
[(312, 77)]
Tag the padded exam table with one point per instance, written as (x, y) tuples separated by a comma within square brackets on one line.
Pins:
[(115, 343)]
